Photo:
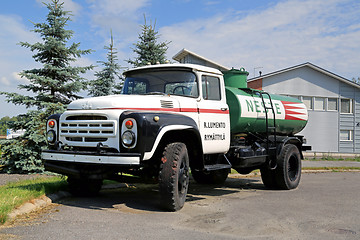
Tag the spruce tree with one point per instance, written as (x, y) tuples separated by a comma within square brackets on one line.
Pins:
[(105, 83), (147, 49), (53, 86)]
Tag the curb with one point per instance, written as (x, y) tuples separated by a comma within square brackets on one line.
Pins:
[(37, 203), (44, 201)]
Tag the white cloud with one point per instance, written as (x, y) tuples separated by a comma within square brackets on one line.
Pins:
[(123, 18), (325, 33), (116, 7), (5, 81), (18, 79), (14, 58)]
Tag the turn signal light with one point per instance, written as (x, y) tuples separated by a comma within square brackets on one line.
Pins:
[(129, 124), (51, 124)]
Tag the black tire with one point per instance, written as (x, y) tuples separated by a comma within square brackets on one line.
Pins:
[(83, 187), (212, 177), (174, 176), (288, 171)]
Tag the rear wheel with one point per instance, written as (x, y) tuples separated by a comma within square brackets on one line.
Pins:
[(174, 176), (288, 172)]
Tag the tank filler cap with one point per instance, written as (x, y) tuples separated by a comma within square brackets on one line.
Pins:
[(236, 78)]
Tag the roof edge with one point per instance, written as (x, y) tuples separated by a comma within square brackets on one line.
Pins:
[(313, 66)]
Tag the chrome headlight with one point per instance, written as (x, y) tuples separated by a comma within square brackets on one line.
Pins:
[(51, 136), (128, 138)]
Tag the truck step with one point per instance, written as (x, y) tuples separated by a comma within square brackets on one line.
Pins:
[(217, 167)]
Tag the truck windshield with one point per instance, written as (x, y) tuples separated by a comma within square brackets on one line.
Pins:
[(173, 82)]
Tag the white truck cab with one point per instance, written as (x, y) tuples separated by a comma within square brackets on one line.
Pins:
[(159, 105)]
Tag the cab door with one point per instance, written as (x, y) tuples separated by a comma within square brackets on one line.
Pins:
[(214, 120)]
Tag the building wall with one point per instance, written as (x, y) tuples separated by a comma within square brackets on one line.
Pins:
[(305, 81), (324, 126), (350, 122), (257, 84)]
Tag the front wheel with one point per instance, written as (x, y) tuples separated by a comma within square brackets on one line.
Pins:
[(174, 176)]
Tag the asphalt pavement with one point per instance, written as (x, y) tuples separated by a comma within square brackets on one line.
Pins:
[(45, 200), (324, 206)]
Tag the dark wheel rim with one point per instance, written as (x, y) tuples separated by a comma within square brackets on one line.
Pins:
[(183, 178), (293, 167)]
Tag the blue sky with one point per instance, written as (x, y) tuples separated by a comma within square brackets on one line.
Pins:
[(235, 33)]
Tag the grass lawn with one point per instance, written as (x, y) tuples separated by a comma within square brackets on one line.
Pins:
[(15, 194)]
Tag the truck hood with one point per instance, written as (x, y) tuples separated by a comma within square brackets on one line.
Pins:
[(126, 102)]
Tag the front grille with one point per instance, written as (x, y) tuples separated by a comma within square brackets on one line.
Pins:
[(87, 128)]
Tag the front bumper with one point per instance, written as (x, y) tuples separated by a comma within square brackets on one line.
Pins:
[(119, 159)]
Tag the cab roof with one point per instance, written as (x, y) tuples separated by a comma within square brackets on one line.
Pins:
[(194, 67)]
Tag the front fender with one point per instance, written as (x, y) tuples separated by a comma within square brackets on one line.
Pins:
[(161, 134)]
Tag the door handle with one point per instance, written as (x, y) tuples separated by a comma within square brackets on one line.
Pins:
[(224, 109)]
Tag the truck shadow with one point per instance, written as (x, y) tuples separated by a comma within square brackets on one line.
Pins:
[(144, 198)]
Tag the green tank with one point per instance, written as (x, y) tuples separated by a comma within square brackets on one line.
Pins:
[(247, 111)]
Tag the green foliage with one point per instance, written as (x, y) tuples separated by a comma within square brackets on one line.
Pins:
[(52, 86), (147, 49), (4, 124), (23, 154), (105, 81)]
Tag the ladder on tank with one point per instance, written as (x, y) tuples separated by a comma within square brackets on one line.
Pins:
[(271, 145)]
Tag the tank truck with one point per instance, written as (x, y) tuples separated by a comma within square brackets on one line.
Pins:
[(174, 121)]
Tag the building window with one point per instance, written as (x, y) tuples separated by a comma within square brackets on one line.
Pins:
[(346, 105), (308, 101), (332, 104), (346, 135), (319, 103)]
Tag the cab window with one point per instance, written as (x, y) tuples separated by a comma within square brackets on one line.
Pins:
[(210, 88)]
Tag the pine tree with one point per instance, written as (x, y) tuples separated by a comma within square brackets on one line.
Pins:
[(148, 50), (53, 86), (105, 82)]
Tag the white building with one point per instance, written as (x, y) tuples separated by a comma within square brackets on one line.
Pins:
[(333, 102)]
